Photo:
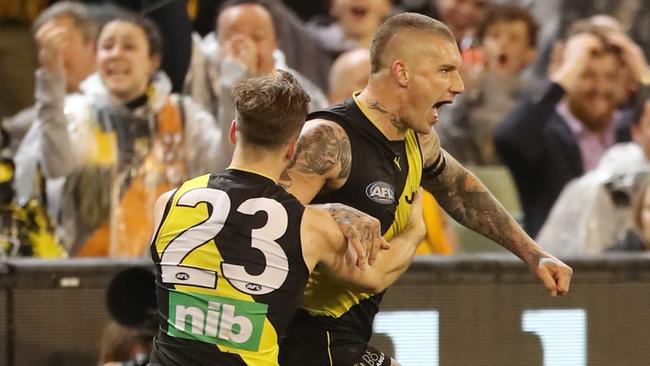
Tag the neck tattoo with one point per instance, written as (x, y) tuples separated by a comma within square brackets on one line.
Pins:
[(392, 117)]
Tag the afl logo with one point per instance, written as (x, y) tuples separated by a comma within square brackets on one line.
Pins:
[(254, 287), (381, 192), (182, 276)]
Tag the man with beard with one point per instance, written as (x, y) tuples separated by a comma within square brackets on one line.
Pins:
[(561, 132)]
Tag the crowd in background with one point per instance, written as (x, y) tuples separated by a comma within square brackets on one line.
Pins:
[(107, 104)]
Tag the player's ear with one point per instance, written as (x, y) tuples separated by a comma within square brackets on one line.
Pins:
[(291, 150), (399, 73), (233, 132)]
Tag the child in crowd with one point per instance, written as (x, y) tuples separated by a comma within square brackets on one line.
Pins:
[(507, 37)]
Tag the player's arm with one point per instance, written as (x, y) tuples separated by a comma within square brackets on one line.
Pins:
[(322, 160), (324, 242), (466, 199)]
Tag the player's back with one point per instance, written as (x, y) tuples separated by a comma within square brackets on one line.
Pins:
[(230, 270)]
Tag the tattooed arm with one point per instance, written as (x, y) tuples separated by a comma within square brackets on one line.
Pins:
[(322, 160), (324, 243), (467, 200)]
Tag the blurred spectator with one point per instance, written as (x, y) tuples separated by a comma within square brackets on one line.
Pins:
[(440, 237), (355, 24), (348, 74), (75, 29), (308, 9), (307, 58), (462, 16), (632, 15), (25, 228), (121, 143), (17, 54), (124, 346), (594, 210), (301, 52), (638, 237), (245, 45), (561, 132), (508, 38)]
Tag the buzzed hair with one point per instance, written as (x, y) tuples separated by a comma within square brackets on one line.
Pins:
[(395, 24), (81, 15), (271, 109)]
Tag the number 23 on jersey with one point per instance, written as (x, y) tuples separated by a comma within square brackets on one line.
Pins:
[(190, 229)]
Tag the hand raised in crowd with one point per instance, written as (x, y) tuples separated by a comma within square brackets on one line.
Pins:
[(632, 55), (574, 56), (241, 50), (52, 40)]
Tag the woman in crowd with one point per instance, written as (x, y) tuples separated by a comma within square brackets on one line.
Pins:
[(122, 142)]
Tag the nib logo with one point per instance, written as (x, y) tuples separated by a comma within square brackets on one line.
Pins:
[(216, 320)]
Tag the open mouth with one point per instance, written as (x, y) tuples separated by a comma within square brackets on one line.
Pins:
[(359, 11), (436, 107), (502, 60), (441, 103), (116, 70)]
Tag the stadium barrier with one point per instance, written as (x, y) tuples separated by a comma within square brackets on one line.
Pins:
[(461, 310)]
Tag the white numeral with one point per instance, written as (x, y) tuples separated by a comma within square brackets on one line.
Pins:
[(170, 262), (262, 239)]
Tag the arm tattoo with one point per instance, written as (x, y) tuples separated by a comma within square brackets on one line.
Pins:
[(346, 158), (465, 198), (396, 122), (319, 151), (348, 216)]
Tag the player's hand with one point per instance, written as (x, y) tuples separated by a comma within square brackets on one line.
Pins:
[(362, 231), (555, 275), (52, 40)]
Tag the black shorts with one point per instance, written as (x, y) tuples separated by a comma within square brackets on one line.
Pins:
[(329, 349)]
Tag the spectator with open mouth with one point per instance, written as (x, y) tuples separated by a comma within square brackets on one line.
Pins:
[(508, 36)]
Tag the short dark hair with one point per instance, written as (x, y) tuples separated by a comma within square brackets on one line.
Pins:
[(395, 24), (508, 13), (80, 13), (150, 29), (271, 109)]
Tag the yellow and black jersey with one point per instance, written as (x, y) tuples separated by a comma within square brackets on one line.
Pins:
[(383, 178), (230, 270)]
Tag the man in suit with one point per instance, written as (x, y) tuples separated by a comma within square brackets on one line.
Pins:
[(562, 131)]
